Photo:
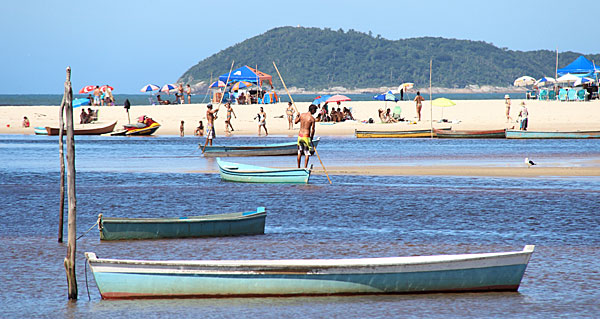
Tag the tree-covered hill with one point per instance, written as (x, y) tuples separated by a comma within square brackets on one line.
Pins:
[(316, 58)]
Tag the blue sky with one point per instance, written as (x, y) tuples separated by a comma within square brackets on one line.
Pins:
[(130, 43)]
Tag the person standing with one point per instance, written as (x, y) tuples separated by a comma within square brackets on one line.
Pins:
[(306, 134), (110, 99), (507, 103), (97, 94), (290, 116), (181, 130), (262, 121), (228, 118), (180, 93), (188, 92), (402, 94), (210, 124), (419, 101), (524, 116)]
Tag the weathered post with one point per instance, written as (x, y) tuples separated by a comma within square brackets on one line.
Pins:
[(72, 224), (61, 123)]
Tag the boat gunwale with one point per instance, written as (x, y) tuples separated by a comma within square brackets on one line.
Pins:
[(190, 219)]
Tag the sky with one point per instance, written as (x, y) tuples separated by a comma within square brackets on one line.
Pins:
[(128, 44)]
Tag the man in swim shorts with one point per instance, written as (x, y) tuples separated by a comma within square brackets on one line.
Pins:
[(306, 134), (210, 124)]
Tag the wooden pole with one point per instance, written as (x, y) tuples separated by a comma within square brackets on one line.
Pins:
[(72, 230), (556, 70), (220, 101), (294, 103), (61, 130), (430, 99)]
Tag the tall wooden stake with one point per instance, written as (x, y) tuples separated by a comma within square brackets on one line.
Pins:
[(430, 99), (72, 230), (61, 130), (556, 70)]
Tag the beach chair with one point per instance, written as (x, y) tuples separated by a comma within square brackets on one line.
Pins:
[(397, 113), (572, 95), (543, 95), (562, 95), (551, 95), (581, 95)]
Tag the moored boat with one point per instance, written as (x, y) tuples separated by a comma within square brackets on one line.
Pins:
[(230, 224), (394, 134), (119, 278), (40, 130), (470, 133), (235, 172), (85, 129), (144, 126), (517, 134), (290, 148)]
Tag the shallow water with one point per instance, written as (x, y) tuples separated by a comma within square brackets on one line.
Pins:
[(357, 216)]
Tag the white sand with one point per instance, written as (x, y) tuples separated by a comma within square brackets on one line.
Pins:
[(472, 114)]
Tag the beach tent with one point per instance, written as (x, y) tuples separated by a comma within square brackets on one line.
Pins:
[(247, 74), (580, 67)]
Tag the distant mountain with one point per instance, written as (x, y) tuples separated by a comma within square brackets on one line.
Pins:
[(314, 58)]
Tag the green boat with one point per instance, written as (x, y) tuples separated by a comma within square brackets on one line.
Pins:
[(245, 173), (289, 148), (230, 224)]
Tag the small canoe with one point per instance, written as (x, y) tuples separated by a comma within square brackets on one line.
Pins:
[(549, 134), (39, 130), (393, 134), (218, 225), (290, 148), (86, 129), (470, 133), (127, 279), (234, 172)]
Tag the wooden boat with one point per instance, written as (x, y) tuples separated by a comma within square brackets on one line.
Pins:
[(470, 133), (119, 278), (86, 129), (231, 224), (548, 134), (394, 134), (246, 173), (290, 148), (39, 130)]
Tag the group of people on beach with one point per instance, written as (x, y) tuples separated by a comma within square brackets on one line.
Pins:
[(101, 96), (179, 96), (522, 118), (88, 117), (335, 115)]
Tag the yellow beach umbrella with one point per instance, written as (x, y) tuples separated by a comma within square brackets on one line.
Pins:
[(443, 102)]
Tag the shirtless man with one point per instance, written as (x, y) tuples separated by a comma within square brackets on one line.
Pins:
[(180, 91), (210, 124), (97, 94), (419, 100), (228, 118), (188, 92), (306, 134)]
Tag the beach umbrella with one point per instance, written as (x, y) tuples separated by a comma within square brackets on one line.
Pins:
[(338, 98), (582, 81), (103, 88), (149, 88), (388, 96), (320, 99), (406, 86), (524, 81), (567, 78), (241, 85), (87, 89), (443, 102), (545, 81), (167, 88), (218, 84)]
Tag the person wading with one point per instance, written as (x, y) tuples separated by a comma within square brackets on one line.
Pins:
[(306, 134)]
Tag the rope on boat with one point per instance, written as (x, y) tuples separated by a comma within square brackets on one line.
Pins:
[(98, 222)]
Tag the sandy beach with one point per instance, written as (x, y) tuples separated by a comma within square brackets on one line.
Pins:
[(465, 115)]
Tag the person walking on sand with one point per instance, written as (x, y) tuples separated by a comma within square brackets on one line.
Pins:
[(524, 116), (419, 100), (181, 130), (188, 92), (228, 118), (507, 103), (306, 134), (262, 121), (290, 116), (210, 124)]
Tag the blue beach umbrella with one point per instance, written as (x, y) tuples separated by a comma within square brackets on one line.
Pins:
[(545, 81), (168, 87), (388, 96), (149, 88), (218, 84), (320, 99)]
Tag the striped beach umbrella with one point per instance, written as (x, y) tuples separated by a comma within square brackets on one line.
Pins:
[(240, 85), (583, 81), (218, 84), (87, 89), (167, 87), (524, 81), (103, 88), (338, 98), (149, 88), (545, 81)]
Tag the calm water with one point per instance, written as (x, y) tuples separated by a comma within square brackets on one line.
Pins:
[(144, 99), (357, 216)]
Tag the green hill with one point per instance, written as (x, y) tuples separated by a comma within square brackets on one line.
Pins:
[(316, 58)]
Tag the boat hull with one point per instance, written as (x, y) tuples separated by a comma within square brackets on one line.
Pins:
[(86, 129), (259, 278), (550, 135), (393, 134), (470, 134), (234, 172), (232, 224), (254, 150)]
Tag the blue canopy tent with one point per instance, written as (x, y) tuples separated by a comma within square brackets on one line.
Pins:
[(580, 67), (247, 74)]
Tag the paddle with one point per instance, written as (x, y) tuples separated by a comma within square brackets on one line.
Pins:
[(294, 103), (220, 101)]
